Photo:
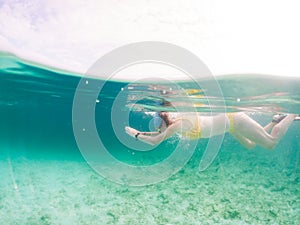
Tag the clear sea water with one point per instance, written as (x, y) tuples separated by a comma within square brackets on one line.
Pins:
[(46, 180)]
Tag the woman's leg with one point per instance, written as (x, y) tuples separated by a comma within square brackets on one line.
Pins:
[(276, 119), (244, 141), (281, 128), (269, 127), (250, 129)]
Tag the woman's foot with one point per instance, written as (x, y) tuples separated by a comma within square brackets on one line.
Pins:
[(277, 118)]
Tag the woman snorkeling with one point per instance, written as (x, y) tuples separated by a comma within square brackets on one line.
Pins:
[(195, 126)]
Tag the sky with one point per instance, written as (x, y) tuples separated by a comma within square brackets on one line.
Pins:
[(232, 36)]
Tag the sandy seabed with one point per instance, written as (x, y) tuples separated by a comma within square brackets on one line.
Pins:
[(69, 192)]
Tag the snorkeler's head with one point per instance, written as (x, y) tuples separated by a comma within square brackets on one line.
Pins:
[(162, 119)]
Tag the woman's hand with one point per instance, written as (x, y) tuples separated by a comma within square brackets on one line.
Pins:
[(131, 131)]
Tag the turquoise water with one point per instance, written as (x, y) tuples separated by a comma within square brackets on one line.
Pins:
[(46, 180)]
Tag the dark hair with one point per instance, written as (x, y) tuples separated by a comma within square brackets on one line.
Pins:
[(165, 117)]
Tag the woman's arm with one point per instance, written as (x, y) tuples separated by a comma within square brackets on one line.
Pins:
[(154, 140), (132, 130)]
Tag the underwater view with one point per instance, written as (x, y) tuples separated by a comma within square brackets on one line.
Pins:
[(47, 177)]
